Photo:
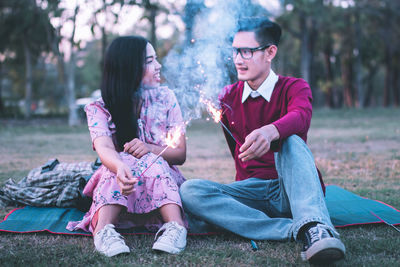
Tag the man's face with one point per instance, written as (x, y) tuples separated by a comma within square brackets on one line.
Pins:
[(257, 67)]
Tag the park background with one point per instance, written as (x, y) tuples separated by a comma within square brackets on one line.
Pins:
[(50, 63)]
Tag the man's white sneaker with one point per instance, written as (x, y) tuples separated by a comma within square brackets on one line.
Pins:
[(110, 243), (173, 238)]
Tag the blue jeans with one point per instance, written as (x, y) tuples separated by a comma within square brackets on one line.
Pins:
[(261, 209)]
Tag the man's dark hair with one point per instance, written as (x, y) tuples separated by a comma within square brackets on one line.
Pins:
[(266, 31), (123, 71)]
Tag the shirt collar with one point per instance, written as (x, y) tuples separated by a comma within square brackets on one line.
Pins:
[(265, 89)]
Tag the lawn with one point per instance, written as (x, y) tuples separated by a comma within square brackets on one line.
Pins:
[(358, 150)]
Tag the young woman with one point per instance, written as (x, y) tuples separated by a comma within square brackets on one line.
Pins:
[(128, 126)]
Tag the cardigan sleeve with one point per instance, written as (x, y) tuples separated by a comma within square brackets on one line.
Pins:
[(297, 114)]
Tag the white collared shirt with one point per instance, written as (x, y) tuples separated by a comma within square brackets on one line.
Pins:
[(265, 89)]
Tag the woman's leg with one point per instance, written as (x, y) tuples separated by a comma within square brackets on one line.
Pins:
[(106, 240), (172, 213), (173, 237), (105, 215)]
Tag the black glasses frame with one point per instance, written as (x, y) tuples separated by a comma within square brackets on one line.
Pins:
[(236, 51)]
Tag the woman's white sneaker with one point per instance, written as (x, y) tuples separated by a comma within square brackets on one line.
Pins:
[(110, 243), (172, 239)]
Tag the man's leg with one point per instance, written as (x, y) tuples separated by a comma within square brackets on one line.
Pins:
[(301, 188), (239, 207)]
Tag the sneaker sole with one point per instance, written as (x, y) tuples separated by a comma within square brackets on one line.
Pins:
[(167, 248), (325, 251), (112, 253)]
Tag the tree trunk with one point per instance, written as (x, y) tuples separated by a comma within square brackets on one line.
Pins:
[(347, 77), (28, 80), (73, 114), (153, 37), (329, 99), (395, 84), (313, 36), (192, 8), (372, 70), (1, 88), (388, 44), (358, 63), (61, 85), (103, 47), (305, 53), (388, 77), (347, 65)]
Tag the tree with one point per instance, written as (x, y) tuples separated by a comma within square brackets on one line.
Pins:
[(104, 17), (191, 10), (22, 23), (302, 20)]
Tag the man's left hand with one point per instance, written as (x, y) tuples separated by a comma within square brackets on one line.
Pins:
[(258, 142)]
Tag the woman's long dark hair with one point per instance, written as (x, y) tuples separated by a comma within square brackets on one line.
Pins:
[(122, 74)]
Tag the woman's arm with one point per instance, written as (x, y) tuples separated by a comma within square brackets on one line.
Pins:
[(174, 156), (109, 157)]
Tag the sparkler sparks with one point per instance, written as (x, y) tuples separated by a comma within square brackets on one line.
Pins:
[(217, 115), (171, 140)]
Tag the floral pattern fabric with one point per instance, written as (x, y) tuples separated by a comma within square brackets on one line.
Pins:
[(159, 185)]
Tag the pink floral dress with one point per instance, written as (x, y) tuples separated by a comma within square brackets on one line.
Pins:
[(158, 186)]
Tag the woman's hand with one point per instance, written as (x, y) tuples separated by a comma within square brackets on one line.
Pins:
[(125, 179), (137, 148)]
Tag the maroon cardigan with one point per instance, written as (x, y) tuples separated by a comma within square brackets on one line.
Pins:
[(289, 109)]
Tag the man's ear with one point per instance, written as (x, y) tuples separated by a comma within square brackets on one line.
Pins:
[(271, 52)]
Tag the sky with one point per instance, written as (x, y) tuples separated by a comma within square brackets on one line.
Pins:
[(129, 16)]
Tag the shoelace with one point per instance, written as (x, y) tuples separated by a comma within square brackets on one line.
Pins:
[(318, 231), (171, 232), (111, 236)]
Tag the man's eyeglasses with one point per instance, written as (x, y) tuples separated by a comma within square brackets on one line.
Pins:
[(247, 52)]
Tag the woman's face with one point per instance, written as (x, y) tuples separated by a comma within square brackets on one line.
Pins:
[(152, 68)]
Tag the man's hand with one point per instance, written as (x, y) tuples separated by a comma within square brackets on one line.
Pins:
[(125, 179), (137, 148), (258, 142)]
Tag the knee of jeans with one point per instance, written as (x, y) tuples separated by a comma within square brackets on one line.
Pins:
[(292, 148), (294, 144), (191, 191), (294, 140)]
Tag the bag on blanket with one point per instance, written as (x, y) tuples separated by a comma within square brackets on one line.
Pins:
[(53, 184)]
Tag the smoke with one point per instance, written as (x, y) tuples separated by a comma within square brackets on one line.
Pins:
[(202, 65)]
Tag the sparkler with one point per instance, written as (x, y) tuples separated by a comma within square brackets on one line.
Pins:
[(216, 115), (395, 228), (172, 140)]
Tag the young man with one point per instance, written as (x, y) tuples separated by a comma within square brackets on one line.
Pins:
[(276, 196)]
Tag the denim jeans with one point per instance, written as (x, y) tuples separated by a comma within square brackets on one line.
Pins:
[(261, 209)]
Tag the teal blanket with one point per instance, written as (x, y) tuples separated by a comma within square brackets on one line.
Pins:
[(345, 209)]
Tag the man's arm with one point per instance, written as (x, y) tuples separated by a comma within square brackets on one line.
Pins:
[(295, 121)]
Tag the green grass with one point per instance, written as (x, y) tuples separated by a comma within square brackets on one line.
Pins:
[(355, 149)]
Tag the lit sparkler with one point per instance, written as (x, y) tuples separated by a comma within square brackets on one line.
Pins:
[(217, 115), (172, 140)]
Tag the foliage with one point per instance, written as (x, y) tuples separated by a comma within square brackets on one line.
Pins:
[(350, 41), (348, 51)]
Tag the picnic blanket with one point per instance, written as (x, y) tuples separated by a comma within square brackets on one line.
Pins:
[(345, 209)]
